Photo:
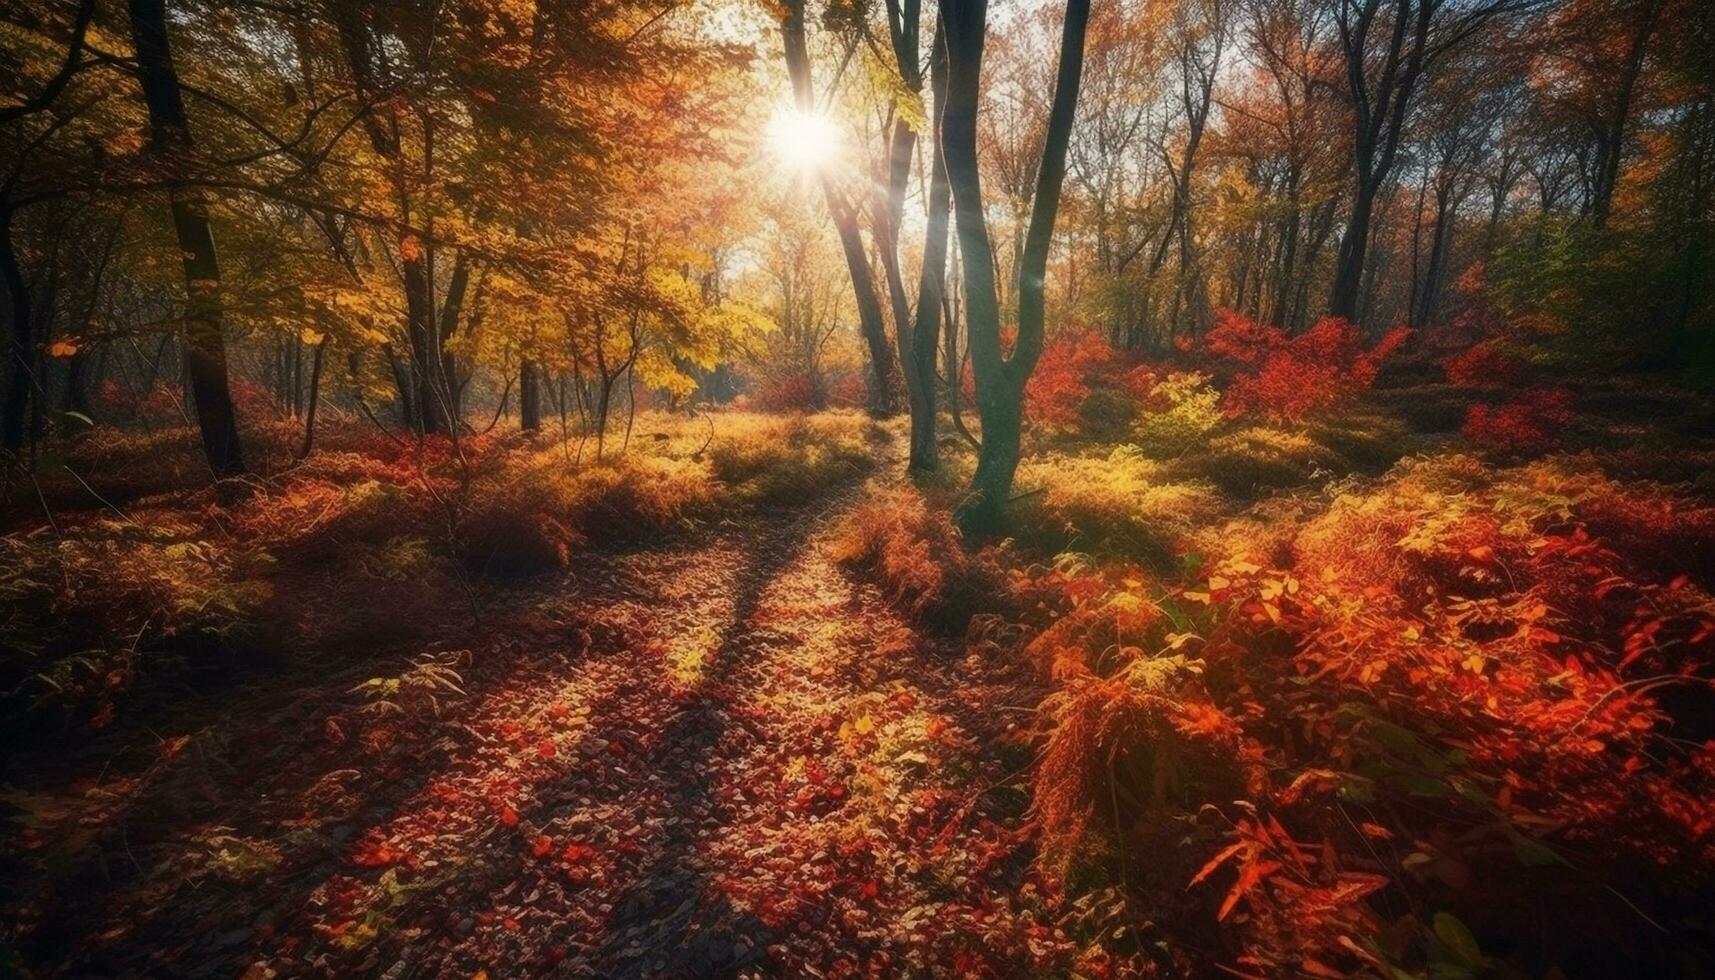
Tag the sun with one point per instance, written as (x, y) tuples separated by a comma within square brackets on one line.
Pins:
[(804, 141)]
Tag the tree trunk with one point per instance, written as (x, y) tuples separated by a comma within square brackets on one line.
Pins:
[(77, 384), (170, 139), (1611, 138), (314, 398), (604, 403), (529, 397), (917, 332), (1001, 379), (924, 340), (1281, 312), (1497, 205), (881, 398), (446, 374), (19, 377), (1414, 282), (407, 391), (1429, 300), (425, 356), (428, 411), (1349, 266)]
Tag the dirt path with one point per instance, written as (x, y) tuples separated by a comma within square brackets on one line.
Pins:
[(724, 758)]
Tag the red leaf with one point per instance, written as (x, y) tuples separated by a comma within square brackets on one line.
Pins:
[(1217, 861), (1249, 877)]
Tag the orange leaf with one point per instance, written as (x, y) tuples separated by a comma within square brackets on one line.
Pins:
[(1217, 861), (1249, 877)]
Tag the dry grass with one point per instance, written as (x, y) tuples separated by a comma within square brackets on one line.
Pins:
[(366, 543), (912, 547), (1120, 504), (774, 460), (1260, 459)]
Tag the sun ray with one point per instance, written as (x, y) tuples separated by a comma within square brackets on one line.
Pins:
[(805, 141)]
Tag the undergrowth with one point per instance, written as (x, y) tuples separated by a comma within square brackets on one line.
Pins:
[(1314, 722), (364, 545)]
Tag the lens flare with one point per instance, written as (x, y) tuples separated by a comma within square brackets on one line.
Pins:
[(804, 141)]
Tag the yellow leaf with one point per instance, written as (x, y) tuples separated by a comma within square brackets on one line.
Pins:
[(864, 725), (311, 336)]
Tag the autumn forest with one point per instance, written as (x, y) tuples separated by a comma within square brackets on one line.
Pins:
[(857, 488)]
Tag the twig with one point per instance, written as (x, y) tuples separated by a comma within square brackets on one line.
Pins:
[(104, 502)]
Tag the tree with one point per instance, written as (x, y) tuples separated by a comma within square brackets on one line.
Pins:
[(1280, 134), (426, 398), (170, 142), (1000, 379), (1387, 46), (1204, 32), (21, 364), (845, 216), (802, 289), (917, 331), (1462, 110), (1592, 69), (1117, 188)]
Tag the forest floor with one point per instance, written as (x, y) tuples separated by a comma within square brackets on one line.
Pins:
[(736, 701), (631, 745)]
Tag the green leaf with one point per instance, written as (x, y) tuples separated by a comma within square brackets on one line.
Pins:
[(1458, 940), (1533, 853)]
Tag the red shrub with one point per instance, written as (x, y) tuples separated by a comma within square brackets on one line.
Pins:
[(1485, 365), (162, 404), (1139, 382), (1467, 649), (165, 405), (1071, 360), (1479, 318), (1290, 377), (789, 392), (849, 388), (1527, 424), (1242, 340), (252, 401), (118, 402), (112, 397)]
